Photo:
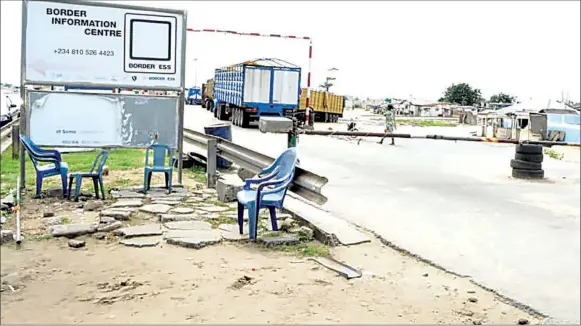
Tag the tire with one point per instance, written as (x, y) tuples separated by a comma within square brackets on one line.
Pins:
[(244, 119), (528, 174), (524, 165), (536, 158), (210, 105), (529, 149), (216, 111), (203, 104)]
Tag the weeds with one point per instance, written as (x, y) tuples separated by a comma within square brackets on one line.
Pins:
[(554, 154), (309, 249)]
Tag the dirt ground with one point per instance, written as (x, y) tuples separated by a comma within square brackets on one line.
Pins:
[(231, 283), (106, 282)]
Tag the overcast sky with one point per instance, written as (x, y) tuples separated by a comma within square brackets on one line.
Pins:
[(382, 49)]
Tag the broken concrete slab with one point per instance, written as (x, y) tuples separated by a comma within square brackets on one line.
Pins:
[(213, 209), (166, 202), (178, 217), (76, 243), (193, 238), (227, 187), (140, 231), (6, 236), (182, 210), (208, 191), (231, 227), (107, 220), (244, 174), (332, 230), (194, 200), (140, 242), (110, 227), (284, 239), (188, 225), (304, 233), (128, 203), (93, 205), (234, 236), (121, 214), (72, 230), (155, 208), (127, 194), (50, 221)]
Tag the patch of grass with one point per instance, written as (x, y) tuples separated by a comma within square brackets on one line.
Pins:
[(196, 173), (218, 203), (272, 234), (223, 219), (554, 154), (66, 220), (309, 249), (40, 237), (119, 159), (426, 123)]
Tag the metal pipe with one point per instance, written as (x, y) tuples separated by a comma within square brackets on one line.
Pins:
[(438, 137), (18, 236)]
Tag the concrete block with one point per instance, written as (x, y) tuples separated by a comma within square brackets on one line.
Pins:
[(275, 125), (227, 187)]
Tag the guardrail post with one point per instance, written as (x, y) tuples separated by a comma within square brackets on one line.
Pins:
[(211, 163), (15, 141)]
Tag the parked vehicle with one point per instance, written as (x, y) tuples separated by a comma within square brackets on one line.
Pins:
[(208, 95), (327, 107), (264, 87), (194, 96), (10, 108)]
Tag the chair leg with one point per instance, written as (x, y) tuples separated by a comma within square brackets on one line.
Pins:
[(102, 187), (272, 210), (241, 218), (168, 182), (70, 187), (96, 187), (78, 182), (38, 185), (252, 223), (64, 182), (149, 180)]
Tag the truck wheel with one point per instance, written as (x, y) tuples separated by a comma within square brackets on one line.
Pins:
[(244, 119), (210, 105), (216, 111), (235, 116), (203, 104)]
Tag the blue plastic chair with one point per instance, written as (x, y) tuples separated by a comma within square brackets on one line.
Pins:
[(56, 165), (159, 156), (95, 175), (277, 177)]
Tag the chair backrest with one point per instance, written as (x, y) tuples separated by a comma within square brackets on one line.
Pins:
[(37, 154), (99, 162), (286, 163), (159, 155)]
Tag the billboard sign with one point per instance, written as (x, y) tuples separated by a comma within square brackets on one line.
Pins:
[(74, 43)]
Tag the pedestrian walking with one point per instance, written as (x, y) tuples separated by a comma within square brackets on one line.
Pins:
[(389, 123)]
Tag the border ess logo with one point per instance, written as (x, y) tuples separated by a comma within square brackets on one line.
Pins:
[(134, 78)]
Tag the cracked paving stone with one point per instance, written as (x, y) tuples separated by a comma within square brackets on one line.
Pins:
[(188, 225), (140, 242), (178, 217), (128, 203), (110, 227), (155, 208), (284, 239), (140, 231), (193, 238), (117, 213), (72, 230), (166, 202), (182, 210), (213, 209)]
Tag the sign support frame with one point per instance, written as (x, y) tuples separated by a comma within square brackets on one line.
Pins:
[(24, 82)]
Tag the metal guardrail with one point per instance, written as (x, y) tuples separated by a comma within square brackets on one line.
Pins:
[(5, 132), (306, 184)]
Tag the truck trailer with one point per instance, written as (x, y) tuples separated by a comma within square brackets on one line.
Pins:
[(327, 107), (194, 96), (247, 91), (208, 95)]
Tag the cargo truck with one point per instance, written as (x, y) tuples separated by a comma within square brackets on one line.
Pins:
[(194, 96), (247, 91), (208, 95), (327, 107)]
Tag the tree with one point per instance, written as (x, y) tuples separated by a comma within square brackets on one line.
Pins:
[(502, 98), (462, 94)]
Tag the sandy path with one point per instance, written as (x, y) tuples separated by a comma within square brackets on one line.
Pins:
[(108, 283)]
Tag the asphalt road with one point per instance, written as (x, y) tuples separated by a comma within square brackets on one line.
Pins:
[(453, 204)]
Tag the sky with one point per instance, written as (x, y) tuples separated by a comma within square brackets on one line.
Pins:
[(382, 49)]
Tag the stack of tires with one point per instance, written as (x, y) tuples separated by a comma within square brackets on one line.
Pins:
[(528, 162)]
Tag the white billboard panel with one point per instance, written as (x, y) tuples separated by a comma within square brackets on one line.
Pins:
[(70, 43)]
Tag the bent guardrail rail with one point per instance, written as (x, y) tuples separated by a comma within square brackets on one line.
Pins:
[(306, 184)]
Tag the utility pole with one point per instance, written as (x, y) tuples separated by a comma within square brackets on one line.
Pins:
[(195, 72)]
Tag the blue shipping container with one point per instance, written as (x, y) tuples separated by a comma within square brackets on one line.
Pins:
[(262, 87)]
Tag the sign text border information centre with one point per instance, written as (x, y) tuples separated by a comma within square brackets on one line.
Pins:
[(74, 43)]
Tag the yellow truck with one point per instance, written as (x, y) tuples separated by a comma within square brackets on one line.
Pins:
[(328, 107)]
